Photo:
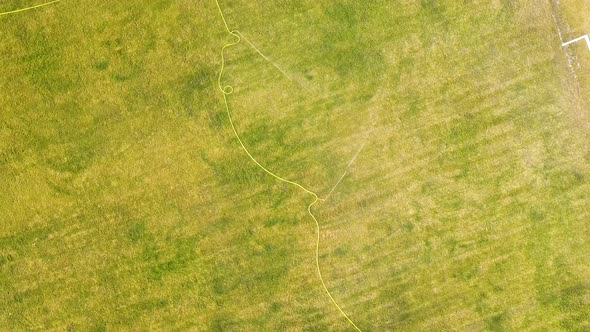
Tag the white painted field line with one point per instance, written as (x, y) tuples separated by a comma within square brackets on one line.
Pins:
[(269, 61), (557, 25), (577, 40), (357, 154), (264, 56), (345, 172)]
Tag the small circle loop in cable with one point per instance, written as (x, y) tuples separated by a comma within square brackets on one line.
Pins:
[(228, 89)]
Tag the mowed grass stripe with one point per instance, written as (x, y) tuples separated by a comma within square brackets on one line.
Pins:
[(495, 157)]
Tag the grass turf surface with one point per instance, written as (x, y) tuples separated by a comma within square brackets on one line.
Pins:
[(126, 202)]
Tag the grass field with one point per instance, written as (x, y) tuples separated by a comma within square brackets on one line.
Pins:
[(126, 202)]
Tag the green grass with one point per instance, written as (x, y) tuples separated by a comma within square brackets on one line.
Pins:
[(126, 203)]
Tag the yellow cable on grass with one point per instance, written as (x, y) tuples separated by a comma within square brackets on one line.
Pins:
[(28, 8), (227, 90)]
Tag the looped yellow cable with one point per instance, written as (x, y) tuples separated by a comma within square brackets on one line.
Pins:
[(228, 89)]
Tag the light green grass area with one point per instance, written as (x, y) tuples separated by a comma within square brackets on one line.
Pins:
[(126, 202)]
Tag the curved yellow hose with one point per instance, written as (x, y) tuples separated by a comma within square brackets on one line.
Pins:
[(227, 90), (28, 8)]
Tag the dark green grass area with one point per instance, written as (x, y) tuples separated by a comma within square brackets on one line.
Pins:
[(126, 203)]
